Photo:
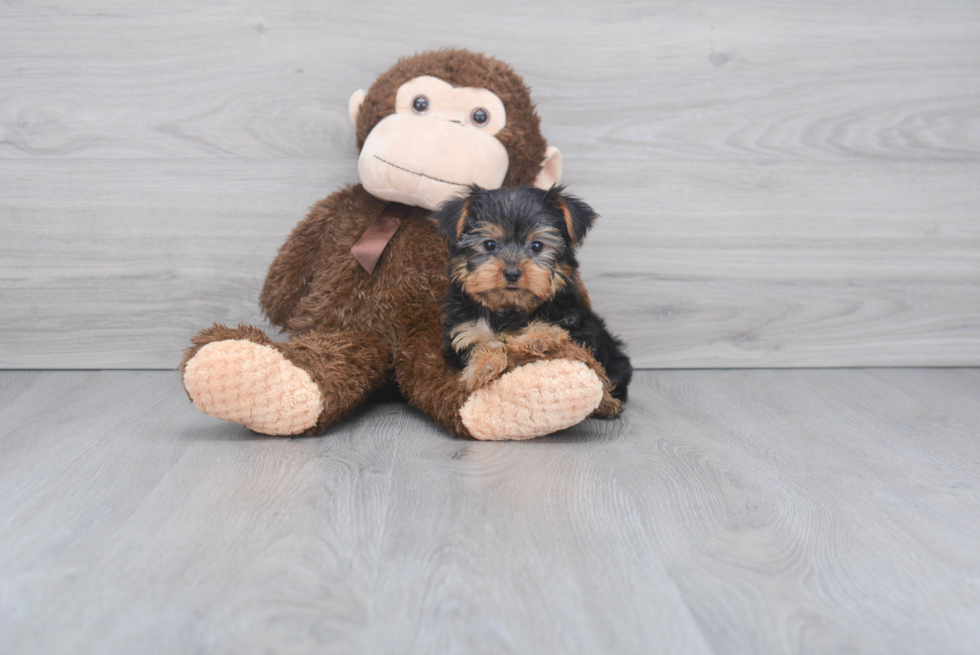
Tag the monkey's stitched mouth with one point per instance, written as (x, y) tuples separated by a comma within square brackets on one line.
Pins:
[(428, 177)]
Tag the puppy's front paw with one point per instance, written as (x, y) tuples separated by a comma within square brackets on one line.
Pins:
[(538, 338), (487, 362)]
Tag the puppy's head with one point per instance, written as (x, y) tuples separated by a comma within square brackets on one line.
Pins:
[(513, 249)]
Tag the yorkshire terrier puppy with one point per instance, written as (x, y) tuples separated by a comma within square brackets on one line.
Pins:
[(515, 290)]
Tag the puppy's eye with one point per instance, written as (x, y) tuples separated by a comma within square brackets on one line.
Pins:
[(420, 104), (490, 246), (536, 246), (480, 117)]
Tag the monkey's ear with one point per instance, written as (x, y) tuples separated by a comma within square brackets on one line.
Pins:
[(452, 214), (550, 173), (354, 105), (578, 216)]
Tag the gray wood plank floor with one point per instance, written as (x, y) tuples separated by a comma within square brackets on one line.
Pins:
[(728, 511)]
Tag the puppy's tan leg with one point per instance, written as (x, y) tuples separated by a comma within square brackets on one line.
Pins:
[(537, 339), (467, 335), (487, 361)]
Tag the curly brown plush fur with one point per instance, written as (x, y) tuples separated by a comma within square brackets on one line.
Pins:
[(352, 332)]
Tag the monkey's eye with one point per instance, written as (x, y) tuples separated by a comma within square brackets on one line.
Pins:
[(420, 104), (536, 246), (480, 117), (490, 246)]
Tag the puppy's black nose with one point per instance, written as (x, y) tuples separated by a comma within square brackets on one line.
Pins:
[(512, 274)]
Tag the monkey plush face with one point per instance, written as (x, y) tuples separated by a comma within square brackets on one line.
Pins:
[(440, 121), (439, 139)]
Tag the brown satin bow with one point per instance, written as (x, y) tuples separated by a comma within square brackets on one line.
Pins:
[(367, 251)]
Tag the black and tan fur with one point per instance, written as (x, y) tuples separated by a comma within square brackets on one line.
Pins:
[(354, 333), (514, 285)]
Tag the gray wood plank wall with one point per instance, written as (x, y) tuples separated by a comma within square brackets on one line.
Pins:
[(791, 185)]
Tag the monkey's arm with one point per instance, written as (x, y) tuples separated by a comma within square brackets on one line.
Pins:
[(338, 216)]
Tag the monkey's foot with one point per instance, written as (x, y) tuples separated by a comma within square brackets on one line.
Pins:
[(533, 400), (252, 384)]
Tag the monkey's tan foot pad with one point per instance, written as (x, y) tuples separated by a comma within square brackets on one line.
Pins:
[(533, 400), (248, 383)]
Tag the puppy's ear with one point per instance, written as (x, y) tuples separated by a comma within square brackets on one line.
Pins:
[(577, 215), (454, 213)]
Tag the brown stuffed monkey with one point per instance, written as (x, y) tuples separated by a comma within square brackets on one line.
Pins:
[(358, 283)]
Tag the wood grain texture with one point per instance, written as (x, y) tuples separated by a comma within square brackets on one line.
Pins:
[(780, 185), (948, 391), (829, 80), (752, 511)]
